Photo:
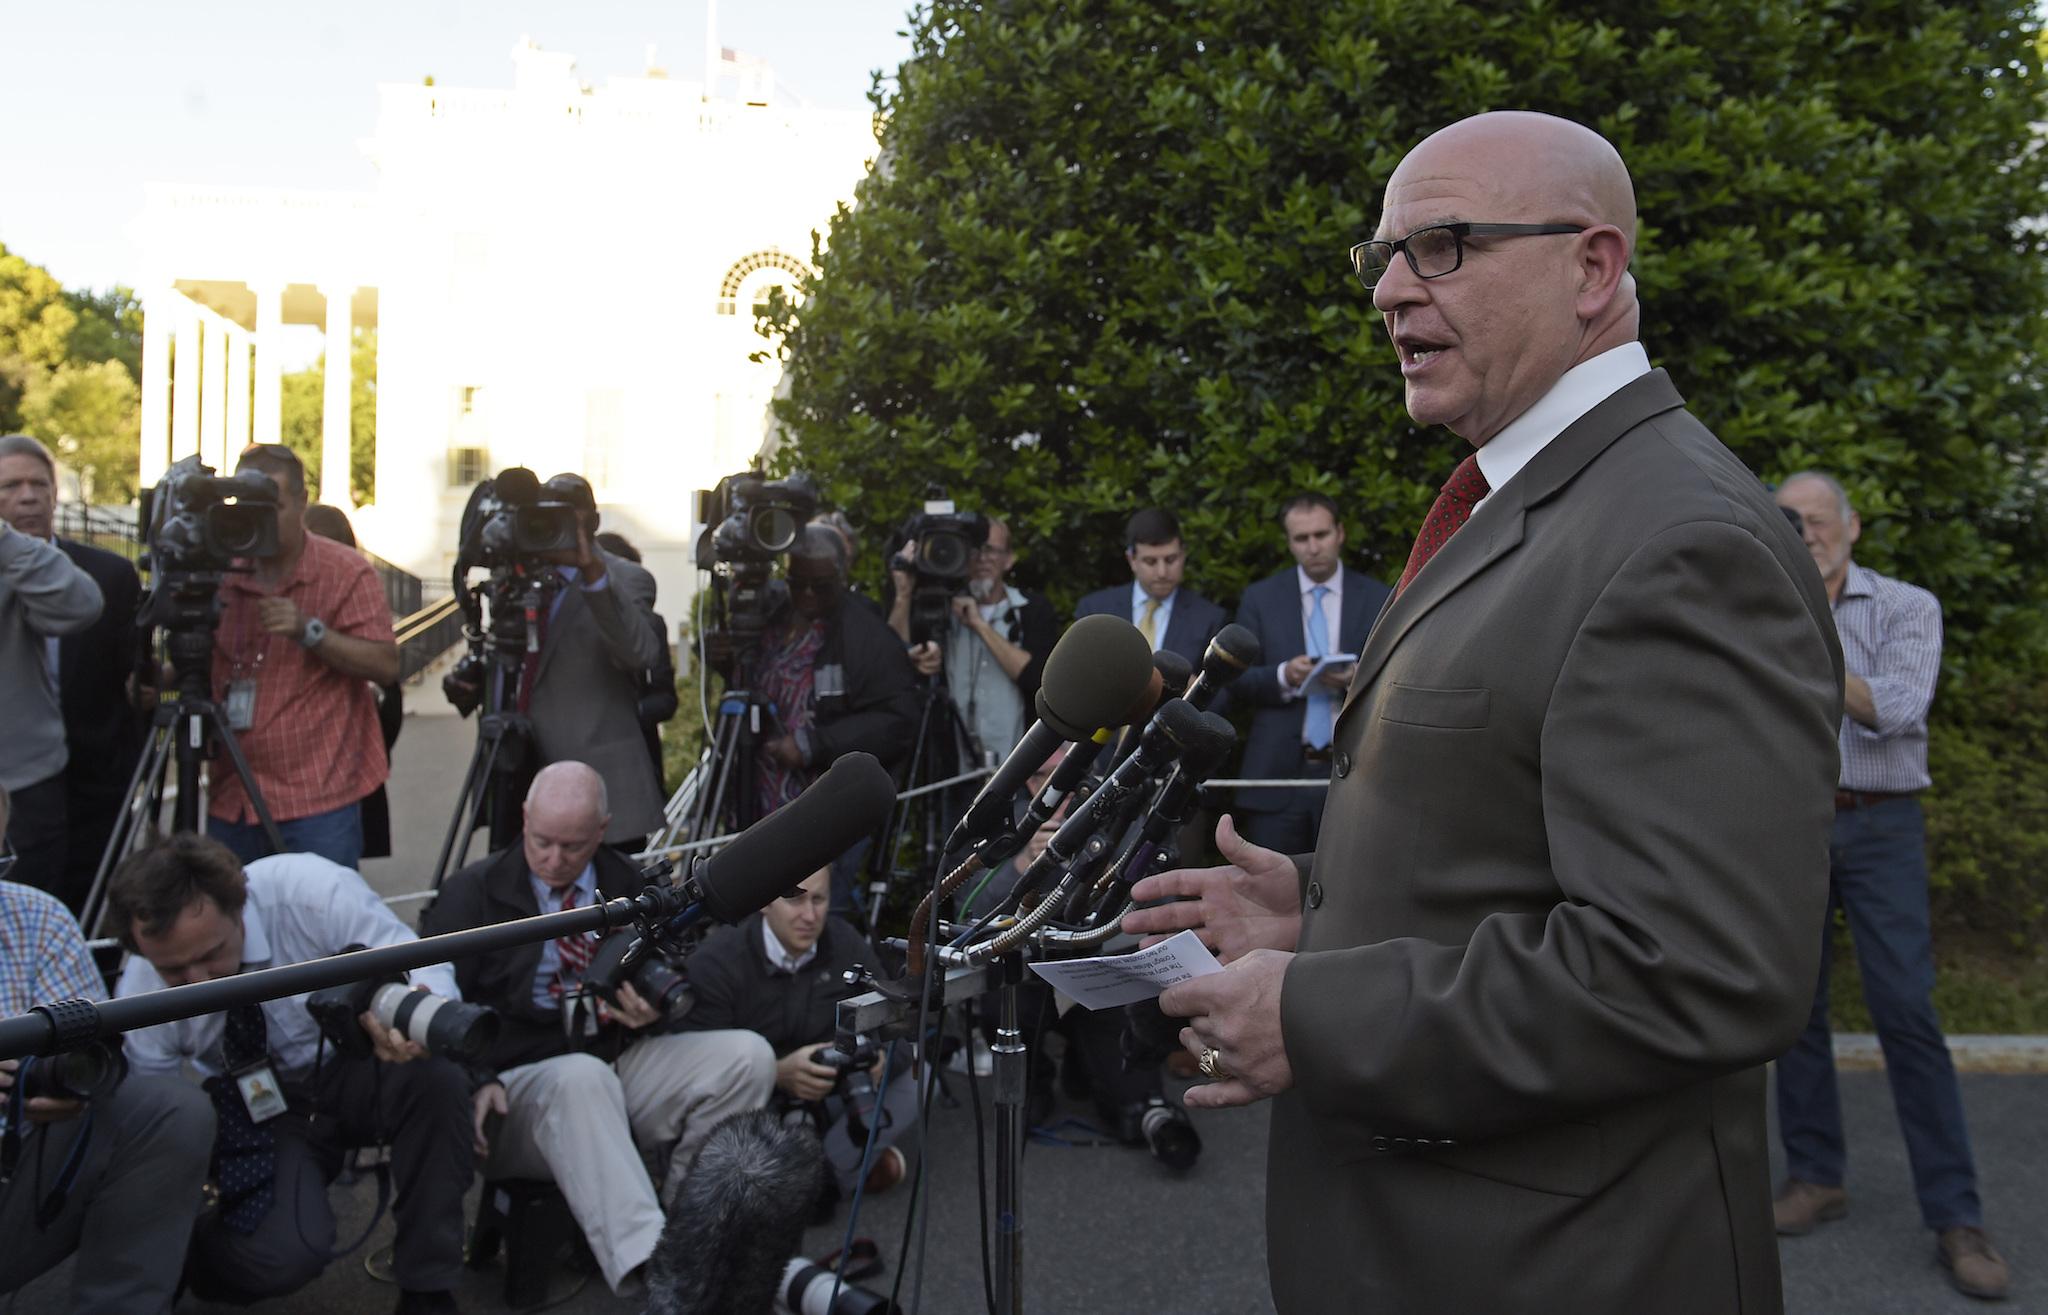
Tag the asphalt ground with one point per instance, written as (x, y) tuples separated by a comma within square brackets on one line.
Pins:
[(1107, 1229)]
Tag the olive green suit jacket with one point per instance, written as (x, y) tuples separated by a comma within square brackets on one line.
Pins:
[(1567, 899)]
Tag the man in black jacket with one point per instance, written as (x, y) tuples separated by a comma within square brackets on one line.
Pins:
[(582, 1088), (780, 973)]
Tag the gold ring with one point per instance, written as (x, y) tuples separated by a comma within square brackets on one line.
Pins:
[(1212, 1065)]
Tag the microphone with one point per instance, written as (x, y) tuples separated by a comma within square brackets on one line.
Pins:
[(771, 857), (1099, 674), (1174, 673), (1230, 654)]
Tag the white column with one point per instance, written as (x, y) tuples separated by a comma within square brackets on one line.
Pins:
[(334, 435), (156, 387), (238, 390), (184, 379), (269, 364), (213, 394)]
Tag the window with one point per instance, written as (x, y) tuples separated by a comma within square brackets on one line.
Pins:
[(467, 465)]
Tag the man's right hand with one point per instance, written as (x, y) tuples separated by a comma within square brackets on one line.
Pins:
[(799, 1076), (927, 657), (40, 1109), (1297, 670), (489, 1100), (1253, 903)]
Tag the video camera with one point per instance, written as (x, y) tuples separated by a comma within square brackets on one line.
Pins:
[(513, 519), (943, 542), (200, 521), (450, 1028), (749, 521)]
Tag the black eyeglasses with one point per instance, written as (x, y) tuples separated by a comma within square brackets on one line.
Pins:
[(1438, 249)]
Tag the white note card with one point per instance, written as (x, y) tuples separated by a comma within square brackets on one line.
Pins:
[(1122, 979)]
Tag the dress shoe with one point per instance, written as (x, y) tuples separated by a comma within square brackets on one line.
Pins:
[(1973, 1264), (426, 1303), (888, 1170), (1801, 1206)]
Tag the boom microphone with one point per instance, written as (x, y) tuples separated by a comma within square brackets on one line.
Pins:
[(773, 856), (1095, 677)]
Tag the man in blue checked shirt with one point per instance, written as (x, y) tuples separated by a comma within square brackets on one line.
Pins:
[(1891, 650), (192, 913), (126, 1208)]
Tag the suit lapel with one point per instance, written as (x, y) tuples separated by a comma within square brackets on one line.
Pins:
[(1496, 528)]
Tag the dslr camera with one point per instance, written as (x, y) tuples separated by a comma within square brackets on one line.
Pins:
[(511, 518), (856, 1084), (451, 1029), (749, 521), (87, 1073), (200, 521), (943, 542), (625, 957)]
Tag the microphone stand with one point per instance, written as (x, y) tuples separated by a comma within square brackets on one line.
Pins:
[(660, 912)]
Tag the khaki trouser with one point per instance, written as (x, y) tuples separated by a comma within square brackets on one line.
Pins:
[(586, 1125)]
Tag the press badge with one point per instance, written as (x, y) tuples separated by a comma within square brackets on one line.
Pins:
[(241, 704), (261, 1095)]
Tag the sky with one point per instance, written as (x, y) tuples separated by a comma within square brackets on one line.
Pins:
[(101, 97)]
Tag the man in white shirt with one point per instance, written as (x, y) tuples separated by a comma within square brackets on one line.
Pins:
[(192, 913), (1318, 610)]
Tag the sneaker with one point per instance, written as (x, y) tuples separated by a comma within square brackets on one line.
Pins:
[(1974, 1265), (888, 1170), (1801, 1206)]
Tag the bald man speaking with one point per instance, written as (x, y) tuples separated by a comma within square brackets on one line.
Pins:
[(1565, 904)]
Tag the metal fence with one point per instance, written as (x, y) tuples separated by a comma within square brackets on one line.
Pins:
[(111, 528)]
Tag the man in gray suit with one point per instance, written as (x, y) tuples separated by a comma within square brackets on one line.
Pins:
[(601, 635), (1566, 899)]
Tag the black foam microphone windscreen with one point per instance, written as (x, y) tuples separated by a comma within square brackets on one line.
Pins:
[(1097, 670), (771, 857)]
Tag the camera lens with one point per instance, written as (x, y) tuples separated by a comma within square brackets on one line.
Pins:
[(944, 553), (235, 530), (84, 1074), (445, 1027), (773, 528)]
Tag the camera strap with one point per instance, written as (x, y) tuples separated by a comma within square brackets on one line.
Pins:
[(11, 1141)]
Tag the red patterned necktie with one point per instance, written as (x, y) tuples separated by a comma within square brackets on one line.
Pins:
[(1452, 508), (573, 951)]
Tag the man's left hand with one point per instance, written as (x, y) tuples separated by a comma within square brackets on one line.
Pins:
[(782, 749), (390, 1045), (279, 616), (631, 1008), (1237, 1014)]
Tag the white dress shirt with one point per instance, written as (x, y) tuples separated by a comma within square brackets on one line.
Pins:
[(1333, 618), (1577, 391), (300, 907), (1160, 619)]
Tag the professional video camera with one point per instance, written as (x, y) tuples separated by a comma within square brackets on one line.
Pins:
[(512, 518), (749, 521), (199, 521), (943, 542), (450, 1028), (856, 1083), (626, 957)]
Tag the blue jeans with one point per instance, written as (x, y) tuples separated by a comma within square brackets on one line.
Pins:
[(1879, 875), (335, 835)]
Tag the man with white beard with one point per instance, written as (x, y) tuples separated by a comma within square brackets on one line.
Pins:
[(995, 650)]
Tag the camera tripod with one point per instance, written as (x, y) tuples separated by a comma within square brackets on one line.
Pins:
[(721, 798), (186, 725), (502, 756), (924, 816)]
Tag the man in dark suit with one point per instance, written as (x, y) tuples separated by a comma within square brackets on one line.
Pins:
[(1175, 619), (1566, 902), (1319, 608)]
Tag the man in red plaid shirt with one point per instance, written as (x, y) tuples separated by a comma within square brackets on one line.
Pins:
[(302, 637)]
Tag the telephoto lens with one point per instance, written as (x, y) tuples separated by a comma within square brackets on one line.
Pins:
[(87, 1073), (449, 1028), (1172, 1140), (807, 1290)]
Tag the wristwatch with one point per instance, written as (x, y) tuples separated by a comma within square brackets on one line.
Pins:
[(312, 632)]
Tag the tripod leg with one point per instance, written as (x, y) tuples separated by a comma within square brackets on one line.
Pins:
[(145, 790), (462, 823)]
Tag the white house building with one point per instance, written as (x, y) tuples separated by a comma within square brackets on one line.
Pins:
[(561, 277)]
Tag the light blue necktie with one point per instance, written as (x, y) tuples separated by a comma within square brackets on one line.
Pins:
[(1320, 714)]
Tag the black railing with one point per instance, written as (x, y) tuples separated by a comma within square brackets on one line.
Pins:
[(111, 528)]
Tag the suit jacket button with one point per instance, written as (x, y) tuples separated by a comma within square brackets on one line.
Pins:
[(1315, 894), (1382, 1145), (1403, 1144), (1343, 764)]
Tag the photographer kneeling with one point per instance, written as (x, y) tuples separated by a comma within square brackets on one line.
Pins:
[(114, 1177), (779, 974), (582, 1085), (291, 1097)]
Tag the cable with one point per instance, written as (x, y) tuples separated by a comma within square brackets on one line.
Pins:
[(860, 1186), (967, 1034)]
